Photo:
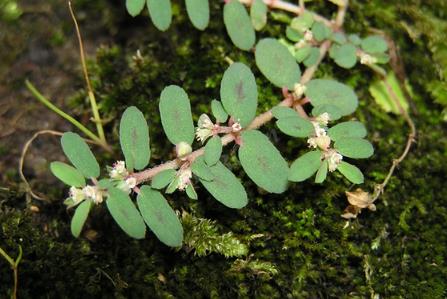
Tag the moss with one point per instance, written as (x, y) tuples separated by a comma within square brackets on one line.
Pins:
[(298, 246)]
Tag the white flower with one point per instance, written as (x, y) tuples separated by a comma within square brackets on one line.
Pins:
[(334, 159), (131, 182), (77, 195), (323, 119), (308, 35), (184, 176), (299, 89), (204, 128), (182, 149), (236, 127), (119, 170), (367, 59), (321, 142), (93, 193)]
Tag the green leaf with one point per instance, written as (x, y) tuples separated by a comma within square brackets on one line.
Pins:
[(175, 113), (355, 39), (344, 55), (201, 169), (374, 44), (191, 192), (225, 186), (382, 96), (312, 58), (349, 129), (283, 112), (198, 12), (239, 93), (320, 31), (356, 148), (105, 183), (258, 14), (295, 126), (338, 38), (134, 7), (67, 174), (134, 139), (160, 13), (218, 111), (333, 111), (79, 217), (80, 155), (160, 217), (324, 91), (302, 53), (262, 162), (322, 172), (125, 213), (293, 35), (213, 150), (163, 178), (303, 22), (305, 166), (351, 172), (238, 24), (276, 63)]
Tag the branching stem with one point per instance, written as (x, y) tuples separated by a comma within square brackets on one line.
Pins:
[(265, 117)]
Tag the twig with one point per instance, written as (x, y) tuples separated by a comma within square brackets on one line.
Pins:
[(15, 268), (91, 95), (379, 189), (259, 121)]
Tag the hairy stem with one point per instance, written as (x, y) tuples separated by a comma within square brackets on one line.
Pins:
[(261, 119)]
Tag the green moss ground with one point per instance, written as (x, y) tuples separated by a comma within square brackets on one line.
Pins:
[(298, 247)]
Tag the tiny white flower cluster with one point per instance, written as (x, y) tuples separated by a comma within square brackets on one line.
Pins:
[(88, 192), (184, 177), (322, 141), (299, 90), (204, 128), (308, 35), (182, 149), (118, 171), (367, 59)]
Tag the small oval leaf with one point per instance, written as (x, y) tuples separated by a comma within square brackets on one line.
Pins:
[(305, 166), (351, 172), (163, 178), (312, 58), (238, 25), (333, 111), (134, 139), (134, 7), (218, 111), (225, 186), (191, 192), (80, 155), (374, 44), (200, 169), (262, 162), (67, 174), (324, 91), (79, 217), (160, 13), (283, 112), (125, 213), (198, 12), (175, 113), (322, 172), (258, 14), (344, 55), (160, 217), (239, 93), (356, 148), (213, 150), (348, 129), (276, 63), (295, 126)]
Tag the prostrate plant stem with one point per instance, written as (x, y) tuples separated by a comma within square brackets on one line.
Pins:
[(265, 117)]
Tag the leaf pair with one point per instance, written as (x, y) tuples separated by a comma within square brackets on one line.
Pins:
[(155, 212), (160, 12)]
